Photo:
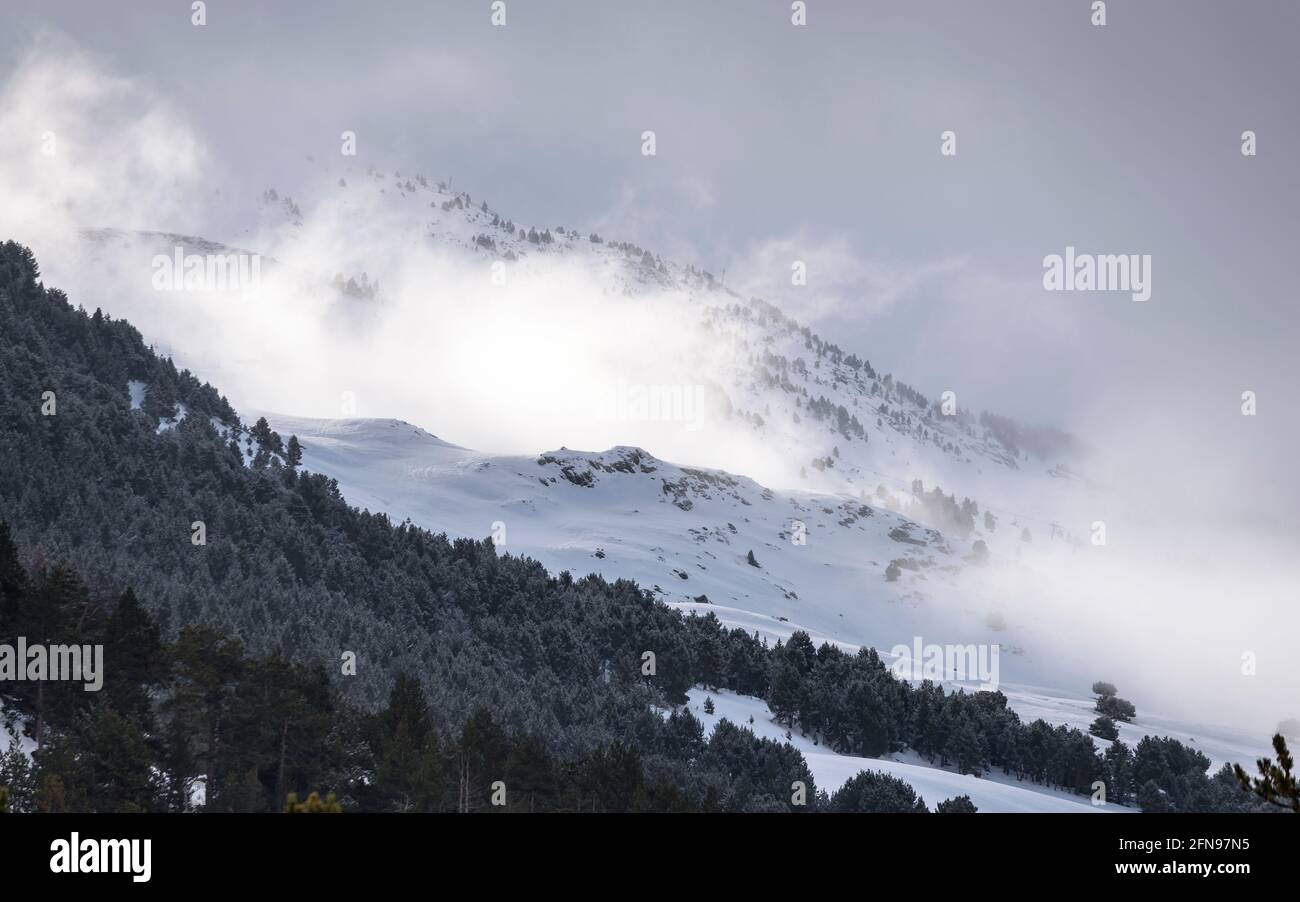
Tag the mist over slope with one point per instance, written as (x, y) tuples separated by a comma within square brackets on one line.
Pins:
[(597, 344), (384, 293)]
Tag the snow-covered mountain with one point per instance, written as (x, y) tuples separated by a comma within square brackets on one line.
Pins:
[(852, 453), (808, 500), (742, 373), (685, 533)]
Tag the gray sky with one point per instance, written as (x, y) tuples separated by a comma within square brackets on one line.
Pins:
[(822, 143)]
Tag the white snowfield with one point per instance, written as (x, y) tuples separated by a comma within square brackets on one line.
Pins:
[(686, 534), (682, 532)]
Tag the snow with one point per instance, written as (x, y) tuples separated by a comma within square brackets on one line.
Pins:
[(624, 513), (624, 524), (1222, 745), (136, 390), (11, 731), (684, 531), (169, 423), (991, 793)]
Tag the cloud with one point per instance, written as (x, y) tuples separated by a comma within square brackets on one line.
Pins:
[(83, 147), (839, 280)]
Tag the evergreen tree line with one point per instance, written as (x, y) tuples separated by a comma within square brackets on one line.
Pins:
[(199, 724), (853, 704)]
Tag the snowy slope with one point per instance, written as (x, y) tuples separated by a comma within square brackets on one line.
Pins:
[(991, 793), (846, 441), (684, 533), (822, 437)]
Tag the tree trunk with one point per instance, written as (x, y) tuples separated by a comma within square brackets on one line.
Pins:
[(279, 778), (40, 711)]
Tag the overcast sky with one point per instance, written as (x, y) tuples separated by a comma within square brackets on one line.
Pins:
[(822, 143)]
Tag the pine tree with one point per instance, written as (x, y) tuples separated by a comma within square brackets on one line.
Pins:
[(58, 600), (708, 655), (1152, 799), (133, 643), (407, 753), (877, 792), (261, 431), (1119, 769), (279, 717), (1276, 783), (480, 760), (613, 777), (179, 768), (965, 747), (786, 691), (1104, 728), (956, 805), (208, 668), (13, 584), (117, 761), (531, 775), (708, 705), (1116, 708), (1110, 705)]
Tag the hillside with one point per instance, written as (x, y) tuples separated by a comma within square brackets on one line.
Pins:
[(682, 532), (113, 473)]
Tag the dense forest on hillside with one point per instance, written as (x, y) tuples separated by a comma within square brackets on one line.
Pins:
[(104, 498), (198, 723)]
